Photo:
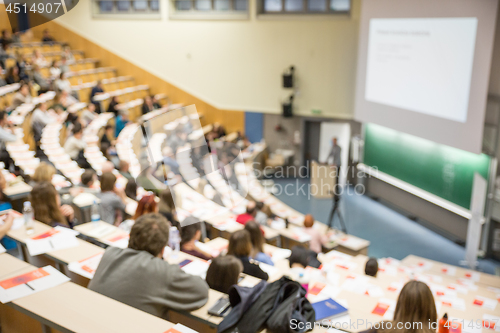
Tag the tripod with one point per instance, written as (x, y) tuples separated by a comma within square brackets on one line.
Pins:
[(336, 208)]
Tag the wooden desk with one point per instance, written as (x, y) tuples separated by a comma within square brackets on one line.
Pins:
[(18, 191), (70, 308), (87, 228), (437, 268)]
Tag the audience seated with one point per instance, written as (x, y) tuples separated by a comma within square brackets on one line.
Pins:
[(88, 180), (47, 37), (62, 84), (39, 120), (112, 106), (12, 77), (97, 90), (240, 246), (43, 173), (55, 71), (260, 216), (2, 78), (37, 59), (40, 80), (257, 243), (121, 121), (249, 215), (147, 105), (415, 311), (167, 207), (112, 200), (107, 166), (146, 205), (123, 168), (317, 239), (169, 160), (47, 207), (107, 140), (138, 275), (89, 114), (224, 272), (131, 189), (22, 96), (190, 234), (68, 54), (371, 267), (75, 145)]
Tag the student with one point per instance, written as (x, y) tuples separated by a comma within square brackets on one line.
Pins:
[(249, 215), (224, 272), (167, 206), (62, 83), (47, 37), (46, 204), (107, 140), (415, 309), (88, 179), (89, 114), (302, 257), (43, 173), (22, 96), (121, 121), (371, 267), (190, 234), (146, 205), (257, 243), (40, 80), (317, 239), (260, 216), (131, 189), (138, 276), (97, 90), (75, 145), (39, 120), (112, 200), (147, 105), (55, 71), (123, 168), (240, 246), (112, 106)]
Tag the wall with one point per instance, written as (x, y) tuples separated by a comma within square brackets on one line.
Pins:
[(237, 65)]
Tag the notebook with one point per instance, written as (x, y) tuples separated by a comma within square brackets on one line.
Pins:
[(328, 309)]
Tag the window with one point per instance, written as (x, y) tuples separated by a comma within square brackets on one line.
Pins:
[(209, 9), (304, 6), (126, 9)]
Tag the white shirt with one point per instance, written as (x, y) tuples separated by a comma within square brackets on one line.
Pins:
[(73, 146)]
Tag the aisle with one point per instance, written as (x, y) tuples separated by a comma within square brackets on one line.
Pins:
[(390, 233)]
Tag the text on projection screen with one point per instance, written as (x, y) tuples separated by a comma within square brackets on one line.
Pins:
[(422, 64)]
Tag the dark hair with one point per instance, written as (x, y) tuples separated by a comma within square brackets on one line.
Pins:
[(188, 231), (108, 180), (131, 189), (259, 205), (2, 114), (146, 205), (371, 267), (255, 235), (107, 127), (223, 273), (87, 176), (240, 244), (149, 233), (122, 164), (299, 256), (77, 128), (251, 210)]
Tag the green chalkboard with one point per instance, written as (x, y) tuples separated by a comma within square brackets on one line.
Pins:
[(441, 170)]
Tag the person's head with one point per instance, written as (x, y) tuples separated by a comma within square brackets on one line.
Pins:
[(259, 205), (123, 166), (147, 100), (224, 272), (371, 267), (166, 201), (25, 88), (240, 244), (108, 181), (107, 166), (44, 172), (108, 128), (62, 76), (5, 33), (91, 108), (54, 64), (124, 115), (146, 205), (77, 130), (99, 84), (255, 235), (334, 141), (131, 189), (46, 202), (41, 106), (308, 221), (88, 177), (150, 233), (13, 72), (415, 305), (46, 33), (37, 53), (167, 152), (299, 257), (251, 208), (191, 231)]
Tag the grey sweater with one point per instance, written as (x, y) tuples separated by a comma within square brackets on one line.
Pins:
[(147, 283)]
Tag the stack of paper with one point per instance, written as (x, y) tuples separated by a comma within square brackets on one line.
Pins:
[(57, 238), (86, 267)]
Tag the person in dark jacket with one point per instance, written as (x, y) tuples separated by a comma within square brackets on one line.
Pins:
[(240, 246), (147, 105)]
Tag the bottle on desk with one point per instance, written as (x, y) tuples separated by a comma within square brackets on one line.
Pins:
[(175, 241), (95, 217), (29, 223)]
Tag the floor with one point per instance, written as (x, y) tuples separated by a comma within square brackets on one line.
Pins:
[(391, 234)]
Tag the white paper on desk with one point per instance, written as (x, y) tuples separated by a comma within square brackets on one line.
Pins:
[(388, 269), (455, 303), (58, 241), (458, 288), (120, 241), (487, 303), (270, 270), (87, 267), (300, 236), (334, 254), (101, 230), (278, 224), (280, 254), (37, 280), (449, 270), (2, 249), (471, 275), (197, 268), (67, 231)]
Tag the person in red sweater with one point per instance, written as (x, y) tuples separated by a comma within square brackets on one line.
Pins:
[(249, 215)]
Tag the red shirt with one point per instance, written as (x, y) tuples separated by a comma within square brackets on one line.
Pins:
[(244, 218)]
